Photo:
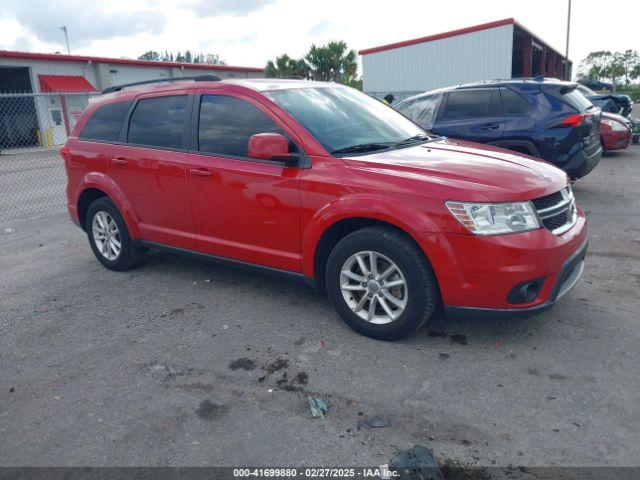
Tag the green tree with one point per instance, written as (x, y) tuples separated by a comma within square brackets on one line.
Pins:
[(150, 55), (332, 62), (287, 67), (186, 57), (213, 59), (614, 66), (630, 60), (354, 83)]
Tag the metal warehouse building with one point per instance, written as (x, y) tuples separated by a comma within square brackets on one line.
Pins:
[(502, 49), (42, 95)]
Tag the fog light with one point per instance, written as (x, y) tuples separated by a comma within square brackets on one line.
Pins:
[(525, 292)]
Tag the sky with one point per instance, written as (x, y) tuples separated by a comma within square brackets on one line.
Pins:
[(250, 32)]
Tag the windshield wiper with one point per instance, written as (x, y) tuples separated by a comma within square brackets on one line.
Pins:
[(363, 147), (421, 137)]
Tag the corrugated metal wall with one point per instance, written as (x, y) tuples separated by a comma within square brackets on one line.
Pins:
[(482, 55), (43, 67), (103, 75)]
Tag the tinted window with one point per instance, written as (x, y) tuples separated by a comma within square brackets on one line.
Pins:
[(158, 122), (422, 110), (513, 103), (226, 123), (586, 91), (468, 103), (495, 105), (577, 100), (105, 122)]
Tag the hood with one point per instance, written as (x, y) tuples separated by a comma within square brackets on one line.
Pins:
[(497, 174)]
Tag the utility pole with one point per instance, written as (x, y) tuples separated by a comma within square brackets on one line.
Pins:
[(567, 71), (66, 37)]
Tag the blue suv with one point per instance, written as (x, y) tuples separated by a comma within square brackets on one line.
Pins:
[(544, 118)]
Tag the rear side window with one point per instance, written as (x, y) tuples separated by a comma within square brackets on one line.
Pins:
[(422, 110), (105, 122), (513, 103), (577, 100), (227, 123), (158, 122), (471, 104)]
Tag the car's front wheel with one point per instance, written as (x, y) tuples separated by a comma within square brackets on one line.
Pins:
[(109, 237), (381, 283)]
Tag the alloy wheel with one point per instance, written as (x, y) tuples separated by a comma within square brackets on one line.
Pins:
[(106, 235), (374, 287)]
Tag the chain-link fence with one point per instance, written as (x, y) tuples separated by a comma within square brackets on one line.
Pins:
[(33, 127)]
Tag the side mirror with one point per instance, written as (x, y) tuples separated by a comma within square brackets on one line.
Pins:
[(270, 146)]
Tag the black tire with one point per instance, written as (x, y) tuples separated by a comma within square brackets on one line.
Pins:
[(422, 290), (130, 254)]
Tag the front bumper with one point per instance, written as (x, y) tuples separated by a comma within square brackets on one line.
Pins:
[(566, 280), (476, 274)]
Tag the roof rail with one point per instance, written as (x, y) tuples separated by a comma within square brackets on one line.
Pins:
[(197, 78)]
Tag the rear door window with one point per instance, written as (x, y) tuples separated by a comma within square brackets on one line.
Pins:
[(159, 122), (105, 123), (513, 103), (471, 103), (226, 124)]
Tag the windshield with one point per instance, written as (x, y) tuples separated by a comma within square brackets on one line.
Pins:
[(345, 120)]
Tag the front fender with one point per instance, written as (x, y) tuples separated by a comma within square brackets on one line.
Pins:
[(106, 184), (403, 216)]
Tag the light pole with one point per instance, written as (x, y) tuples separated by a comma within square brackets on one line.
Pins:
[(66, 37), (567, 72)]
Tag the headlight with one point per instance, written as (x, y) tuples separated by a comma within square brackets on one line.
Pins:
[(495, 218), (615, 125)]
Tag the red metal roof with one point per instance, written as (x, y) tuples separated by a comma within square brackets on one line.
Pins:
[(121, 61), (430, 38), (64, 84)]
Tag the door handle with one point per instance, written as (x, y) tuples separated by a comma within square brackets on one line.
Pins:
[(119, 161), (490, 126), (199, 172)]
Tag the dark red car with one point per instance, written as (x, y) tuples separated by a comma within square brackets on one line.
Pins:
[(322, 183), (615, 132)]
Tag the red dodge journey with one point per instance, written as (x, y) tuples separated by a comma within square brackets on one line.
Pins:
[(320, 182)]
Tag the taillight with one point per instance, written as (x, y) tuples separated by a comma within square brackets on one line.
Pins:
[(574, 120)]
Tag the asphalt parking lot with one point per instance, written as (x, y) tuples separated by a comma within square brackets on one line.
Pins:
[(185, 363)]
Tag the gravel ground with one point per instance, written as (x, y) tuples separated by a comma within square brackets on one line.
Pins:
[(185, 363)]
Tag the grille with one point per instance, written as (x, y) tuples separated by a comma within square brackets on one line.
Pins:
[(548, 201), (557, 211), (555, 222)]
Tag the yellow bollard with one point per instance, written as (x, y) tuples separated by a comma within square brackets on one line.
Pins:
[(47, 134), (39, 137)]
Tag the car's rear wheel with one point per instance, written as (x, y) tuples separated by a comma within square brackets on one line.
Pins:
[(109, 237), (381, 283)]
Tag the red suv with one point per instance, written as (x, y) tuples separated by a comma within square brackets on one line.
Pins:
[(322, 183)]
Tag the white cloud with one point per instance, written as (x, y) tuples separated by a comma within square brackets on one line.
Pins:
[(254, 31)]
